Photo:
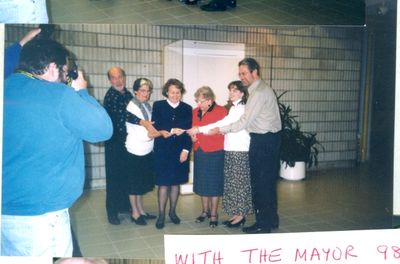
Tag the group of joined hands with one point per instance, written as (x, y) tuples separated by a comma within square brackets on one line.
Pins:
[(153, 133)]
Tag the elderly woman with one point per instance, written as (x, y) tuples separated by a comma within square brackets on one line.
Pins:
[(171, 151), (140, 146), (208, 180), (236, 200)]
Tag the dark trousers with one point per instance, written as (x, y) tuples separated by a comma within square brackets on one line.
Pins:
[(117, 199), (264, 164)]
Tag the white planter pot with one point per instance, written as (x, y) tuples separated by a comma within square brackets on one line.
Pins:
[(298, 172)]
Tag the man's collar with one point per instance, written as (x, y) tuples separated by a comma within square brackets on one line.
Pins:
[(120, 91)]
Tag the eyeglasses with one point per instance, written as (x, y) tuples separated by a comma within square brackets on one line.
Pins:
[(144, 91), (200, 101)]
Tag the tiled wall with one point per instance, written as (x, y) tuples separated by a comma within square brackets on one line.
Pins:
[(319, 66)]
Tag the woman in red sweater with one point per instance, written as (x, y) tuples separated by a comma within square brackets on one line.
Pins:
[(208, 180)]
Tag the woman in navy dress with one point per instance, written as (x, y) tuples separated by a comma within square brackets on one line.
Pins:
[(171, 151)]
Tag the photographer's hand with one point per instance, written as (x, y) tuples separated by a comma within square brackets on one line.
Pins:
[(29, 36), (80, 82)]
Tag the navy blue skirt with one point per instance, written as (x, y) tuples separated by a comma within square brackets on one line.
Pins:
[(208, 177)]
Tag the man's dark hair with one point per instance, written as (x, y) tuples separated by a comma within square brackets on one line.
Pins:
[(252, 64), (37, 54)]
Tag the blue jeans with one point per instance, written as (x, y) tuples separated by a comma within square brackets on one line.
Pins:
[(23, 11), (40, 235)]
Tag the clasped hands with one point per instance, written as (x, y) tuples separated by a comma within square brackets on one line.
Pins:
[(195, 130), (153, 133)]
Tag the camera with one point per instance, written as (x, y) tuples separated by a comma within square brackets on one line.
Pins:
[(72, 70), (46, 31)]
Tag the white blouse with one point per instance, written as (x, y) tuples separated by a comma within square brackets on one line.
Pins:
[(137, 141), (238, 141)]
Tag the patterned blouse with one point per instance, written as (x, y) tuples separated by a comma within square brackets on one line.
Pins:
[(115, 103)]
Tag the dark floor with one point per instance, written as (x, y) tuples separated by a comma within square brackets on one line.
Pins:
[(337, 199), (271, 12)]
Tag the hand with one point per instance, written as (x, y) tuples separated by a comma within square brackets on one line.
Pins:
[(165, 133), (153, 134), (151, 131), (194, 138), (28, 37), (80, 82), (178, 131), (214, 131), (193, 131), (183, 157)]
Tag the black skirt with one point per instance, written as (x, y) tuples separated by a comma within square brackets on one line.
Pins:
[(140, 174)]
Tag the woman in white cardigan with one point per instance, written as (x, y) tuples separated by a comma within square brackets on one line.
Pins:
[(140, 146)]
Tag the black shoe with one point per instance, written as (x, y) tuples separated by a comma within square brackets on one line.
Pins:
[(255, 229), (193, 2), (231, 3), (213, 6), (202, 217), (226, 222), (214, 223), (114, 220), (174, 218), (160, 223), (139, 221), (148, 216), (240, 223)]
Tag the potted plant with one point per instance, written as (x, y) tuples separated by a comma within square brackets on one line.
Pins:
[(299, 149)]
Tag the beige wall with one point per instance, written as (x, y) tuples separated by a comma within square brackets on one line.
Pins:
[(320, 66)]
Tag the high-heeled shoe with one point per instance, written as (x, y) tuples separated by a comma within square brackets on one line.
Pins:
[(202, 217), (139, 221), (160, 223), (174, 218), (149, 216), (238, 224), (213, 223)]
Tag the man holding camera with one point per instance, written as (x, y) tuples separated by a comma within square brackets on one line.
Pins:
[(45, 123)]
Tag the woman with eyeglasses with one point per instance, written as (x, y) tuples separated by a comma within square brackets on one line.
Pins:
[(237, 200), (208, 180), (171, 150), (140, 146)]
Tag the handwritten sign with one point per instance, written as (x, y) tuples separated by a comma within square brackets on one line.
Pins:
[(350, 247)]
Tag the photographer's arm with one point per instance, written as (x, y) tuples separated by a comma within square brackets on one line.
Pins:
[(83, 115), (12, 53)]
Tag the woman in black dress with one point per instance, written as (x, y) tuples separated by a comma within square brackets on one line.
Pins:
[(171, 151)]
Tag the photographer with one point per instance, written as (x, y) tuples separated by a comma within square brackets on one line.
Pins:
[(45, 123)]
